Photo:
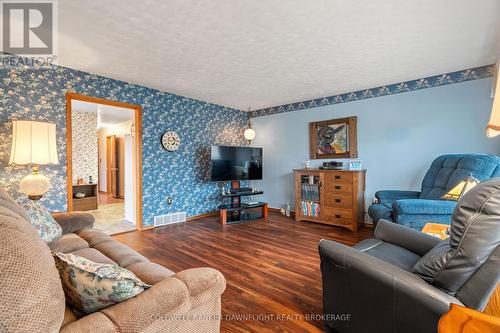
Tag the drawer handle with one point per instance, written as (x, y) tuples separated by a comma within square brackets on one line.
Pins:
[(338, 200), (337, 177), (338, 216), (337, 187)]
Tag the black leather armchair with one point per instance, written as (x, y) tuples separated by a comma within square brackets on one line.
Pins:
[(403, 280)]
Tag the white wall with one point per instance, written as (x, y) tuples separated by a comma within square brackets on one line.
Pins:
[(129, 179), (398, 136)]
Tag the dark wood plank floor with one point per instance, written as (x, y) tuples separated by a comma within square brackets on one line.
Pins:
[(271, 266)]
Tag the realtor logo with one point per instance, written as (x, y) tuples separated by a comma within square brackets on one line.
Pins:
[(28, 28)]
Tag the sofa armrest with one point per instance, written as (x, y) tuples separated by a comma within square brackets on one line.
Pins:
[(423, 207), (74, 221), (92, 323), (169, 300), (410, 239), (391, 195), (376, 295)]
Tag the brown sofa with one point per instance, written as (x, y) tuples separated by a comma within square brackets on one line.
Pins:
[(32, 298)]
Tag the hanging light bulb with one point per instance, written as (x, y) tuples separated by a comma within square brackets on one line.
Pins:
[(249, 133)]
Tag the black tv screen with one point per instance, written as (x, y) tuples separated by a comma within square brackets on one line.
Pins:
[(235, 163)]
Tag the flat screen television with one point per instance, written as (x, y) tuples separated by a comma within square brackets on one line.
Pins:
[(235, 163)]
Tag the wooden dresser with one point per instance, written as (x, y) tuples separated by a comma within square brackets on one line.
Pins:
[(335, 197)]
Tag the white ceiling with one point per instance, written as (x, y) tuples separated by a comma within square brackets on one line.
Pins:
[(108, 115), (267, 53)]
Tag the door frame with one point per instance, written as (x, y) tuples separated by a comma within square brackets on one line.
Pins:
[(138, 148)]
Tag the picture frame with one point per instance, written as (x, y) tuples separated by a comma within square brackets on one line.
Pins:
[(334, 138)]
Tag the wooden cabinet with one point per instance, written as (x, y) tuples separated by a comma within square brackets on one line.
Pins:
[(89, 202), (335, 197)]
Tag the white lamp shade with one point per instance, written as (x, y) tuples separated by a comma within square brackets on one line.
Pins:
[(33, 142), (493, 128), (249, 134)]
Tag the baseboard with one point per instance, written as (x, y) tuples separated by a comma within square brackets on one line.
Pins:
[(190, 218), (200, 216), (278, 210), (292, 214), (123, 232)]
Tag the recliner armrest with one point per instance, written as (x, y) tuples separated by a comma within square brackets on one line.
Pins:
[(423, 207), (376, 294), (391, 195), (74, 221), (410, 239)]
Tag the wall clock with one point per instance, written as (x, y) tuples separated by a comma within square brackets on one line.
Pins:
[(170, 140)]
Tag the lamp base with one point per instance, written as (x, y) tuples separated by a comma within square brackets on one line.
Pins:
[(35, 185)]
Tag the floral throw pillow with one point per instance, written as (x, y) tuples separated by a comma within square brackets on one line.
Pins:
[(42, 220), (90, 286)]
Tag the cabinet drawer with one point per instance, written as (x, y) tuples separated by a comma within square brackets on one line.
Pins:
[(338, 177), (332, 199), (340, 220), (337, 213), (341, 188)]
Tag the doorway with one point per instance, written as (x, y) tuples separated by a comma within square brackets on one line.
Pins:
[(104, 161)]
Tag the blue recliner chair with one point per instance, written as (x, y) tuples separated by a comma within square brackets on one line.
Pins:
[(414, 209)]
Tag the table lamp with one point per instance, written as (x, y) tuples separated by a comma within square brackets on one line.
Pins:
[(33, 142), (461, 188)]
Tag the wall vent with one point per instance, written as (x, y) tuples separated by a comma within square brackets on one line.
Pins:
[(169, 219)]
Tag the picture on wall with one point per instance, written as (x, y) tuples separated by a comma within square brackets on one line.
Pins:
[(334, 138)]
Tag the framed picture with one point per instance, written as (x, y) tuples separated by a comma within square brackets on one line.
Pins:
[(334, 138)]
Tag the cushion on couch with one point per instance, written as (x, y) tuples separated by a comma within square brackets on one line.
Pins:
[(68, 243), (391, 253), (91, 286), (42, 221)]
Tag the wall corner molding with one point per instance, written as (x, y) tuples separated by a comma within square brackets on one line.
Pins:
[(470, 74)]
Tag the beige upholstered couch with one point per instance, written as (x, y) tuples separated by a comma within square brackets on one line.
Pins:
[(32, 298)]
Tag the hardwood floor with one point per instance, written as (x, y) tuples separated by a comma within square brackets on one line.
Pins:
[(107, 198), (271, 266)]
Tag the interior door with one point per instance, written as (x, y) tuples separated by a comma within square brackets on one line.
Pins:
[(111, 166), (120, 158)]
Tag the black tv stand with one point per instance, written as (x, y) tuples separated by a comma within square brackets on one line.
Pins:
[(239, 212), (240, 190)]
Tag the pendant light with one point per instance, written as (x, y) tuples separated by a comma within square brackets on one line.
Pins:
[(249, 133)]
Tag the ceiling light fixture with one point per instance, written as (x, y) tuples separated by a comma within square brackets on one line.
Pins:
[(249, 133)]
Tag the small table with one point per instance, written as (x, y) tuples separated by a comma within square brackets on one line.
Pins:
[(437, 230)]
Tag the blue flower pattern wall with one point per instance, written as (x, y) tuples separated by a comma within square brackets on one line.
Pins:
[(40, 93)]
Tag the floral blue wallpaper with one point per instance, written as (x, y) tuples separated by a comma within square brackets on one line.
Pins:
[(396, 88), (39, 93)]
